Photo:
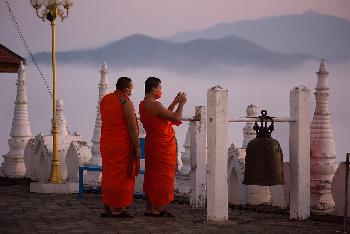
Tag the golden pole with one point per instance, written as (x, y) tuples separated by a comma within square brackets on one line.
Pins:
[(55, 174), (50, 12)]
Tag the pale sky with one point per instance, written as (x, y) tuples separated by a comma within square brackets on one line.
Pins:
[(94, 23)]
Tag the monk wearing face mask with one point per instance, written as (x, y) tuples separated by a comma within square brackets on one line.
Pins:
[(120, 150), (160, 147)]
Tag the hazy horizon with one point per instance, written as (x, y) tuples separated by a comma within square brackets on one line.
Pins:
[(78, 88)]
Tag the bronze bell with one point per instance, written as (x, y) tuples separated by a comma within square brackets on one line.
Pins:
[(264, 157)]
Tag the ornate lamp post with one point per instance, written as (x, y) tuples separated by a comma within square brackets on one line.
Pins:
[(50, 11)]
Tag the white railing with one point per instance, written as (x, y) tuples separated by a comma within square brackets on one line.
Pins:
[(255, 119), (207, 160)]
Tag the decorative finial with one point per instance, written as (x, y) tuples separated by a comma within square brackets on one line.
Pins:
[(251, 110), (104, 67), (21, 66), (217, 87), (263, 130), (59, 104), (323, 69), (61, 119)]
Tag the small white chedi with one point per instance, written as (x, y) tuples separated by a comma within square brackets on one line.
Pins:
[(182, 180), (38, 157), (93, 178), (338, 191), (13, 165)]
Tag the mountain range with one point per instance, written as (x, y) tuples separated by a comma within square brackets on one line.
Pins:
[(143, 51), (309, 33), (274, 43)]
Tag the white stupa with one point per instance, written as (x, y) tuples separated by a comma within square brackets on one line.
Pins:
[(323, 156), (39, 154), (93, 178), (13, 165)]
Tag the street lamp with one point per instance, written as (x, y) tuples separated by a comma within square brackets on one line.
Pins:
[(50, 11)]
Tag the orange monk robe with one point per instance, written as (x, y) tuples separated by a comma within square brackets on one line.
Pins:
[(115, 146), (160, 158)]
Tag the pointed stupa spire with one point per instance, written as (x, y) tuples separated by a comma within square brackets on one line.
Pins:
[(248, 131), (322, 69), (13, 165), (93, 177), (102, 90), (322, 78), (185, 156), (323, 155), (62, 125)]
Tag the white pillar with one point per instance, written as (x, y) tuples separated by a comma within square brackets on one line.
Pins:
[(299, 153), (198, 156), (217, 191), (93, 178), (323, 155), (13, 165)]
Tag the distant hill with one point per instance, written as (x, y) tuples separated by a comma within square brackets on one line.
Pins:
[(309, 33), (195, 55)]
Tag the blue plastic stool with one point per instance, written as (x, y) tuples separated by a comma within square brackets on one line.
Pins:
[(81, 176)]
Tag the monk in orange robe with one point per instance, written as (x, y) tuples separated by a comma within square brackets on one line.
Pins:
[(160, 147), (120, 150)]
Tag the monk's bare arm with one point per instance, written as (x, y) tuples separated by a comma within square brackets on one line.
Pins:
[(172, 105), (129, 113), (164, 113), (175, 102)]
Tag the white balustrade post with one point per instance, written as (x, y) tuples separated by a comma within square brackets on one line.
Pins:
[(299, 153), (217, 157), (13, 165), (198, 156)]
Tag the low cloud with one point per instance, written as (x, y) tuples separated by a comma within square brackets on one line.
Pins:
[(78, 88)]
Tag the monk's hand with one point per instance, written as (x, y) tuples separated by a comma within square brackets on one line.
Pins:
[(182, 98), (136, 153), (176, 99)]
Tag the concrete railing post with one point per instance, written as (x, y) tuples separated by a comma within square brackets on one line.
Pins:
[(299, 153), (198, 156), (217, 189)]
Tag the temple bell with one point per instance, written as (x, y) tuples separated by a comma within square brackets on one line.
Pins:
[(264, 156)]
